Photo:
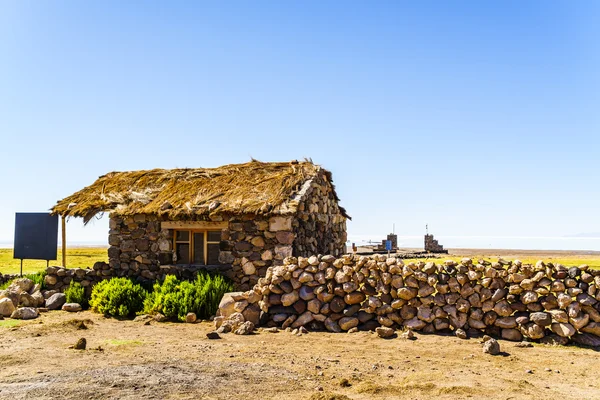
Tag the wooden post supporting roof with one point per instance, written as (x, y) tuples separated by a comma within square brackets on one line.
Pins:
[(64, 242)]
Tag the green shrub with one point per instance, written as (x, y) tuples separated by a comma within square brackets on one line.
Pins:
[(174, 298), (75, 293), (37, 278), (119, 297)]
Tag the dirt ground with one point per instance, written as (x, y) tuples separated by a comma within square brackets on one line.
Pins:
[(177, 361)]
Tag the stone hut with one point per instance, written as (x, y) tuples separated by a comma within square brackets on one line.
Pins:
[(239, 218)]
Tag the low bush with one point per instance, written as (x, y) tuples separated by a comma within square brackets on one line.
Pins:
[(119, 297), (75, 293), (175, 299)]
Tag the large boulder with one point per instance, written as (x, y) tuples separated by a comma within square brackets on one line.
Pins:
[(20, 285), (27, 300), (227, 304), (56, 301), (39, 298), (14, 297), (24, 313), (6, 307)]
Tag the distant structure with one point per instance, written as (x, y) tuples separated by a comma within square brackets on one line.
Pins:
[(432, 245), (393, 238)]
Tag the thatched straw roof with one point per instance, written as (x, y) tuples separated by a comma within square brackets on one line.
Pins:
[(251, 188)]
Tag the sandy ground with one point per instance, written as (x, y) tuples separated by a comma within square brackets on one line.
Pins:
[(177, 361)]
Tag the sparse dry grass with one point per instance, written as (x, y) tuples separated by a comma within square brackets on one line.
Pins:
[(83, 257)]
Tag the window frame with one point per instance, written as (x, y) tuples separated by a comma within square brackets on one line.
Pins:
[(190, 243)]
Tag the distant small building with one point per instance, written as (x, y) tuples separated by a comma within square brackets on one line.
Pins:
[(391, 237), (238, 218), (432, 245)]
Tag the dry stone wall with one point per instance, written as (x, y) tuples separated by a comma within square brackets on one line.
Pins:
[(319, 225), (504, 299)]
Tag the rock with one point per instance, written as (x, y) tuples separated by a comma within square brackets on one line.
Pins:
[(512, 335), (160, 318), (144, 318), (347, 323), (213, 335), (6, 307), (354, 298), (245, 329), (280, 223), (20, 285), (227, 304), (39, 298), (415, 324), (554, 340), (408, 334), (563, 329), (491, 347), (541, 318), (252, 314), (56, 301), (353, 330), (81, 344), (24, 313), (303, 319), (593, 328), (27, 300), (523, 345), (190, 318), (586, 339), (461, 334), (71, 307), (287, 299), (332, 326), (384, 332)]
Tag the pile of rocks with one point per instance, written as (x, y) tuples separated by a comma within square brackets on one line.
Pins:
[(236, 314), (24, 299), (503, 299)]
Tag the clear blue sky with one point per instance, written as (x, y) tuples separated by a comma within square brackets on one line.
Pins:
[(479, 118)]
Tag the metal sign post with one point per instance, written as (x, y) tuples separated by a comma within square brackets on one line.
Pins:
[(388, 246)]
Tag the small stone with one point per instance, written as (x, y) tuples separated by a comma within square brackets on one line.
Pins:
[(345, 383), (524, 344), (160, 318), (271, 330), (528, 371), (213, 335), (461, 334), (492, 347), (71, 307), (409, 335), (190, 318), (245, 329), (384, 332), (353, 330), (81, 344)]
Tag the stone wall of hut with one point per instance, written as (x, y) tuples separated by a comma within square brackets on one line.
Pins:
[(319, 225), (140, 248), (545, 302)]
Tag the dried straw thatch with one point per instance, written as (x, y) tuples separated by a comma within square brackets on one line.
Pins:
[(251, 188)]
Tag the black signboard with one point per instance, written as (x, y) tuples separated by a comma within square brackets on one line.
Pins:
[(36, 236)]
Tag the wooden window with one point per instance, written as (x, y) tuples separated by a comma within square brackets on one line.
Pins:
[(197, 247)]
